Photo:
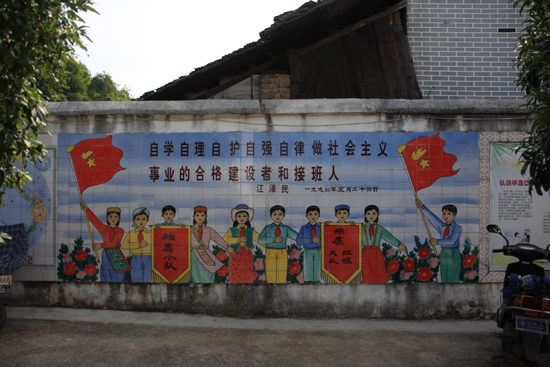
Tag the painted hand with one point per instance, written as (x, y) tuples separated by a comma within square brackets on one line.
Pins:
[(433, 241), (279, 239), (83, 206), (143, 243), (418, 203), (316, 239), (243, 239), (403, 248), (96, 246), (231, 251)]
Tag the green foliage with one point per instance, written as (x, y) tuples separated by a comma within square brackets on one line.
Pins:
[(77, 265), (103, 88), (75, 83), (36, 39), (533, 78), (72, 85)]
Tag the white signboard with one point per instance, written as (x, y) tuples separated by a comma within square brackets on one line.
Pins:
[(522, 218)]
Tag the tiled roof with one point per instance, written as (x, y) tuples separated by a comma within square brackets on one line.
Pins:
[(298, 28)]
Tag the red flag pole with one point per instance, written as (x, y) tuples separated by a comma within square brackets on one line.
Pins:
[(400, 151), (69, 149)]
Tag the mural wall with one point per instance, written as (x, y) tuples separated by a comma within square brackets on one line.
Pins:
[(33, 206), (268, 207), (264, 207)]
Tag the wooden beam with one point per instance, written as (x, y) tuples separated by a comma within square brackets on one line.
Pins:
[(239, 78), (352, 28)]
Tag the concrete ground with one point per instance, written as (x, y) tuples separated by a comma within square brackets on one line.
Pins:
[(76, 337)]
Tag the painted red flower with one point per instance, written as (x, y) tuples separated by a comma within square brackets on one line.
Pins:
[(410, 264), (393, 266), (424, 274), (70, 268), (81, 255), (90, 269), (469, 261), (424, 253), (222, 255), (294, 268), (223, 271)]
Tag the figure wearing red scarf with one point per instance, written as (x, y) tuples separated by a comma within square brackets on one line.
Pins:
[(241, 238), (114, 264)]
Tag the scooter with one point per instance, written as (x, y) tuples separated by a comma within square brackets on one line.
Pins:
[(524, 302)]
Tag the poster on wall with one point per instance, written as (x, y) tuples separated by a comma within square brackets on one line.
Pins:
[(522, 218), (266, 207)]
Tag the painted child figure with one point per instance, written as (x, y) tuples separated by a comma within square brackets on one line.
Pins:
[(113, 262), (204, 264), (240, 237), (449, 258), (341, 212), (309, 238), (274, 236), (168, 213), (374, 264), (139, 243)]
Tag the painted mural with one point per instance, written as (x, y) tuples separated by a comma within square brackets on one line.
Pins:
[(32, 206), (268, 207)]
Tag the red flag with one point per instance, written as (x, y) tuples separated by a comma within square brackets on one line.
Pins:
[(95, 161), (426, 161)]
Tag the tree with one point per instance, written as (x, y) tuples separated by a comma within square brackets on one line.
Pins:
[(75, 83), (533, 64), (103, 88), (37, 37), (72, 84)]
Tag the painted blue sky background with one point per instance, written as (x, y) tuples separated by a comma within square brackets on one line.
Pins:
[(133, 187)]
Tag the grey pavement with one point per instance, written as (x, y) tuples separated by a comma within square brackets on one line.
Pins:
[(77, 337)]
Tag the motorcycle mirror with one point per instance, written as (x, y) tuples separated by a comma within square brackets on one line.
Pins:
[(493, 228)]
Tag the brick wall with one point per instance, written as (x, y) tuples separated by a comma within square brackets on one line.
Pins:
[(458, 51), (275, 86)]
